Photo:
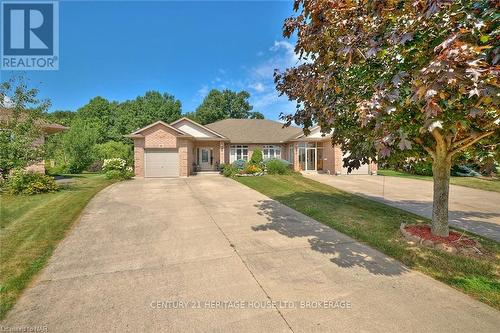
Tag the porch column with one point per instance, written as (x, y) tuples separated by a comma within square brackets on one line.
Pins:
[(337, 152), (222, 156)]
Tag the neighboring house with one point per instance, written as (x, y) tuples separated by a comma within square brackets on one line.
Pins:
[(184, 147), (48, 128)]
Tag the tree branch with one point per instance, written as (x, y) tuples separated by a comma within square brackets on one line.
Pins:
[(430, 151), (471, 142), (441, 143)]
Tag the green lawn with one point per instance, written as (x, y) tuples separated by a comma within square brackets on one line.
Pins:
[(473, 182), (32, 226), (377, 225)]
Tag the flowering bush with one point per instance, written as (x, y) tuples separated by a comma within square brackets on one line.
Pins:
[(29, 182), (116, 168), (252, 169), (114, 164)]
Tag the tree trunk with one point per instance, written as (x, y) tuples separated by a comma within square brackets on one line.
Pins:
[(441, 173)]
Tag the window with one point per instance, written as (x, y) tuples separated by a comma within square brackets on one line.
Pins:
[(291, 154), (204, 156), (238, 153), (271, 151)]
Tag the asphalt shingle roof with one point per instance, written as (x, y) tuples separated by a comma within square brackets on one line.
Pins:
[(254, 130)]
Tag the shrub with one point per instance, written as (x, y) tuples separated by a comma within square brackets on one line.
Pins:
[(112, 149), (96, 166), (240, 164), (114, 164), (276, 166), (464, 171), (116, 168), (29, 182), (57, 170), (229, 171), (119, 174), (256, 157), (252, 169), (422, 168)]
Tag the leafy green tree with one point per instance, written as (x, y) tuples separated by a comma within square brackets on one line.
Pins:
[(102, 113), (144, 110), (397, 79), (257, 157), (112, 149), (60, 117), (21, 127), (256, 115), (218, 105), (78, 142)]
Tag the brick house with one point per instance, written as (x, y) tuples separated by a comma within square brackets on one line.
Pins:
[(185, 147), (47, 129)]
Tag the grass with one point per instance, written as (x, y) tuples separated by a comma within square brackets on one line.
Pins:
[(32, 226), (472, 182), (377, 225)]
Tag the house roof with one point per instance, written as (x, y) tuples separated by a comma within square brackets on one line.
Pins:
[(254, 130), (137, 134), (199, 125), (49, 128), (315, 134)]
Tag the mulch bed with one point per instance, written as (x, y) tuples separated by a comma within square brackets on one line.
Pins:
[(455, 242)]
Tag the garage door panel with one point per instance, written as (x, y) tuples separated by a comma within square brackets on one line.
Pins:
[(363, 169), (162, 163)]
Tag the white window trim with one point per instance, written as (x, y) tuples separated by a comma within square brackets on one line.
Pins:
[(238, 152), (271, 151), (291, 153)]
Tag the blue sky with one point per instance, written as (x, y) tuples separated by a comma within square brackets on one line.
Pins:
[(121, 49)]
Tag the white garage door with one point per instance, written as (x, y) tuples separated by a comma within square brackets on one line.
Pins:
[(363, 169), (161, 162)]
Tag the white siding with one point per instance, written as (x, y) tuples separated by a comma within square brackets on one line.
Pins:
[(193, 129)]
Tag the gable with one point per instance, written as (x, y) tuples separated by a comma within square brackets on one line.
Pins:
[(159, 136), (193, 129), (314, 134)]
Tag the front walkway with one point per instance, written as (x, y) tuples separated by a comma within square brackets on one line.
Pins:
[(203, 241), (474, 210)]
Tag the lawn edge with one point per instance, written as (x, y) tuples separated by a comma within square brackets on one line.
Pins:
[(36, 275), (481, 238)]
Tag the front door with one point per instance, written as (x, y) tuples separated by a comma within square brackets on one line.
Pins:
[(205, 159), (310, 159)]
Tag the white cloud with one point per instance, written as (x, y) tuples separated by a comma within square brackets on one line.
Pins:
[(259, 80), (203, 91), (291, 58), (257, 86), (7, 102)]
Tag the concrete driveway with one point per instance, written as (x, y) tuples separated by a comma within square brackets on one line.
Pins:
[(474, 210), (185, 255)]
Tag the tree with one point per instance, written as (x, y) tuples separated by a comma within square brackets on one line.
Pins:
[(257, 157), (144, 110), (397, 79), (113, 149), (78, 142), (21, 127), (256, 115), (60, 117), (103, 114), (218, 105)]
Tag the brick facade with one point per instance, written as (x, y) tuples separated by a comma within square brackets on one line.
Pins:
[(161, 135)]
